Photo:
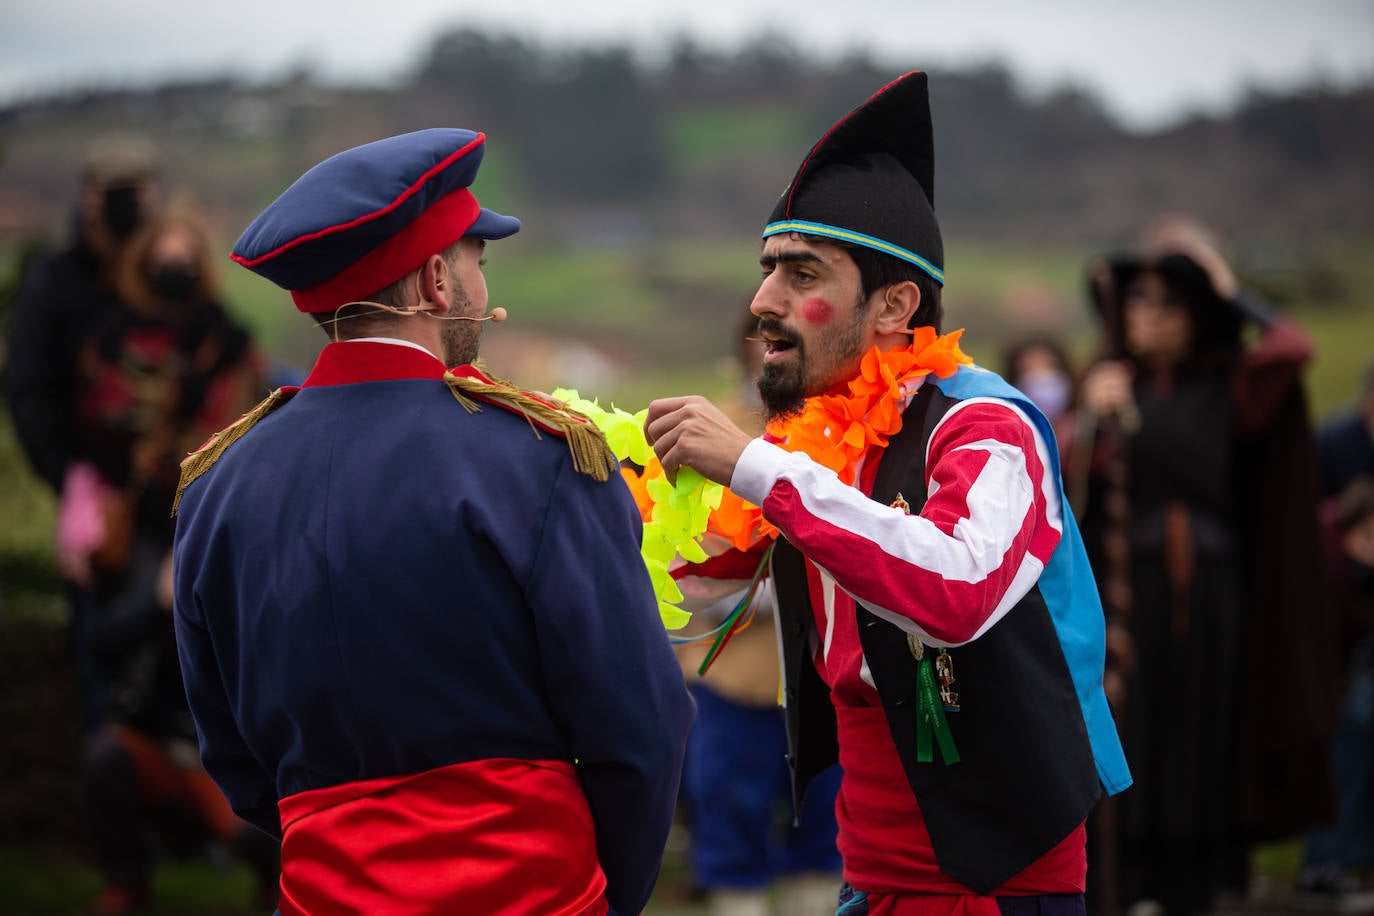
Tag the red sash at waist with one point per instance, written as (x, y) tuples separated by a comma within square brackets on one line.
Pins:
[(491, 836)]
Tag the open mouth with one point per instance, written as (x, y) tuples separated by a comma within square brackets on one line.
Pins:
[(775, 347), (776, 342)]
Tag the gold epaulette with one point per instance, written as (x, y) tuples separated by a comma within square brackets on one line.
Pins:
[(591, 455), (203, 458)]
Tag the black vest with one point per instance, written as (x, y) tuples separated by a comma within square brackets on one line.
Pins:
[(1026, 777)]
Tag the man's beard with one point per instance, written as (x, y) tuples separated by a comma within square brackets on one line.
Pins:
[(784, 385), (460, 339), (781, 387)]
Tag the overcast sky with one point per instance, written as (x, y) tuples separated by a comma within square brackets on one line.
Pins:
[(1149, 62)]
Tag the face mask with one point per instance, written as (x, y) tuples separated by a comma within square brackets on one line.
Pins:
[(174, 282), (1049, 391), (121, 211)]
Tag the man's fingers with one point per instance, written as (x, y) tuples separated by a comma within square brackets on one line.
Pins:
[(661, 417), (664, 406), (664, 441), (691, 431), (653, 428)]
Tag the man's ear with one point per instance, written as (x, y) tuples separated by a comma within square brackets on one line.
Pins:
[(431, 280), (896, 304)]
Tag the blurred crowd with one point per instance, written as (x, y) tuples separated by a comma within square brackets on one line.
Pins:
[(1232, 542), (1232, 548), (121, 360)]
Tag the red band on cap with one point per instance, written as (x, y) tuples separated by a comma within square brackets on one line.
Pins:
[(442, 224)]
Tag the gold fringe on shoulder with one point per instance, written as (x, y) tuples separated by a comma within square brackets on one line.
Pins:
[(203, 458), (591, 455)]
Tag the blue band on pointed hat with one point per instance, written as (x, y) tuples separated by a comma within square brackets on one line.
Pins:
[(858, 238)]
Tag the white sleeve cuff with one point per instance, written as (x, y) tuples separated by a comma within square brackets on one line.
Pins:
[(758, 469)]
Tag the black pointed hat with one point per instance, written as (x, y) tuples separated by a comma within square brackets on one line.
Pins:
[(871, 180)]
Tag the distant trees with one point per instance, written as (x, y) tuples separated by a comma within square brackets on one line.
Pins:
[(584, 122), (701, 140)]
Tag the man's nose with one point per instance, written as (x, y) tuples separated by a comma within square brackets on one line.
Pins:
[(767, 301)]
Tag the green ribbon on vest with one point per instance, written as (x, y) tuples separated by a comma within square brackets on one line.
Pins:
[(930, 717)]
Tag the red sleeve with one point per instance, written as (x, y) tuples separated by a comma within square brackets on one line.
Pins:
[(1266, 374)]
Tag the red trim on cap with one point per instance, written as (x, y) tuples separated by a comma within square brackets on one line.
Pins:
[(821, 142), (432, 231), (329, 230)]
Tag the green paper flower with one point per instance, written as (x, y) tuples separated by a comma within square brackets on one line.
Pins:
[(681, 510)]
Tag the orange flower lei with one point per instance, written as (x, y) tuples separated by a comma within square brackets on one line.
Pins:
[(836, 430)]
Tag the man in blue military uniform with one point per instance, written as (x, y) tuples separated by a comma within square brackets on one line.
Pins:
[(417, 636)]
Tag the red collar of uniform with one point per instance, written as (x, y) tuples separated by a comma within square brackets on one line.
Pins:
[(350, 362)]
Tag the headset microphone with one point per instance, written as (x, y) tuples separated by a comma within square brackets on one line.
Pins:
[(497, 315)]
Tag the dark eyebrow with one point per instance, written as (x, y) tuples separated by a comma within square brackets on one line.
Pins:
[(788, 257)]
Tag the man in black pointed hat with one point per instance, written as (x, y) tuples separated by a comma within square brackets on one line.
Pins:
[(942, 636)]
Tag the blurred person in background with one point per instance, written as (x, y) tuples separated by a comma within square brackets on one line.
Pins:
[(1345, 444), (745, 850), (156, 374), (1039, 366), (1338, 856), (1202, 527), (59, 298)]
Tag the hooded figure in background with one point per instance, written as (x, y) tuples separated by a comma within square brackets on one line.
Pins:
[(1202, 526)]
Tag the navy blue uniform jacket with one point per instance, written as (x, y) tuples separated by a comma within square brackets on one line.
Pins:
[(424, 650)]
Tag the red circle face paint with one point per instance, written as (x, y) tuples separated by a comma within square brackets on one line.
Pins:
[(817, 311)]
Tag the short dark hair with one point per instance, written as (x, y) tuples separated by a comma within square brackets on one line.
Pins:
[(365, 322), (878, 271), (357, 320)]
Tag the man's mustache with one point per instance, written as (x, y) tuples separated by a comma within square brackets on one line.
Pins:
[(772, 327)]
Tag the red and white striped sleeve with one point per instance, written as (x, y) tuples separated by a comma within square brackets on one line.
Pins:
[(989, 524)]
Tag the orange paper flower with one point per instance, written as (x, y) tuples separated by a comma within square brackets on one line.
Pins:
[(836, 430)]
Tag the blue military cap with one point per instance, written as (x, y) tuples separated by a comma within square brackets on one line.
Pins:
[(366, 217)]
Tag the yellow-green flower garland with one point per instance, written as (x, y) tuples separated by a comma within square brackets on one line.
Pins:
[(680, 510)]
